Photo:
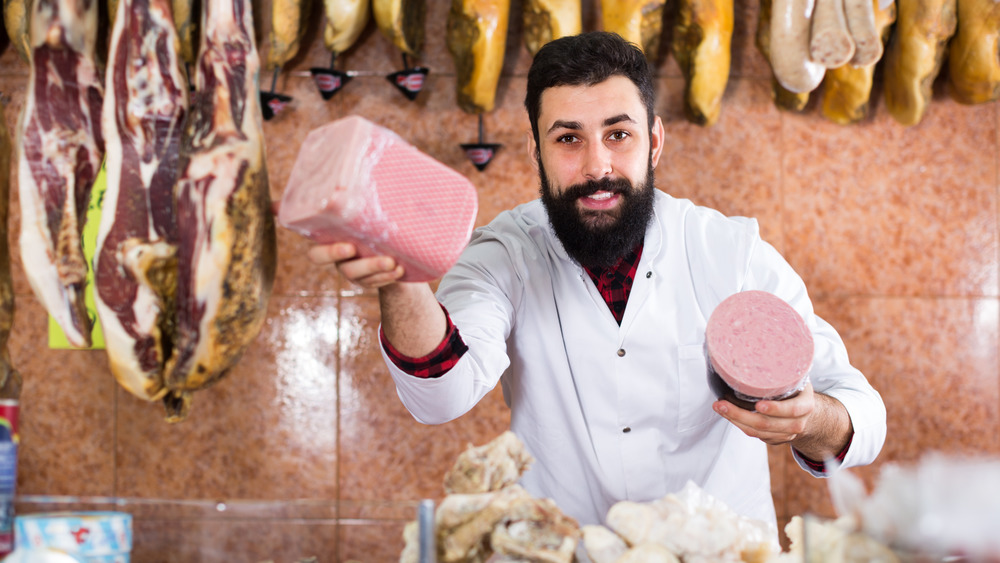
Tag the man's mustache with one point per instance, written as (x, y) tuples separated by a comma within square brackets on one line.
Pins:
[(591, 187)]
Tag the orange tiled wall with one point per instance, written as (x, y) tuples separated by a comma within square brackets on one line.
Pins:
[(894, 230)]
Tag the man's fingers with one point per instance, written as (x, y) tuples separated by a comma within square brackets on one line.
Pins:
[(773, 430), (371, 272), (329, 253), (380, 279)]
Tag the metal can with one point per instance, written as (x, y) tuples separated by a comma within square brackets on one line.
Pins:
[(8, 471)]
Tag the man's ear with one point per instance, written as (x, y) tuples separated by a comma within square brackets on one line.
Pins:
[(656, 138), (533, 154)]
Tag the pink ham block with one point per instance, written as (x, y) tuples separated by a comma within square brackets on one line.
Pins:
[(355, 181), (759, 346)]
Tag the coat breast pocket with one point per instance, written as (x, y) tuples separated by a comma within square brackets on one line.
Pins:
[(694, 394)]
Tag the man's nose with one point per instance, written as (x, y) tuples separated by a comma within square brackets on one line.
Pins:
[(597, 162)]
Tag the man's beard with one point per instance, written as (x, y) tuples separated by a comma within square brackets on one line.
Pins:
[(598, 239)]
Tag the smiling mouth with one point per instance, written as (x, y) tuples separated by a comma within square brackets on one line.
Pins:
[(599, 202)]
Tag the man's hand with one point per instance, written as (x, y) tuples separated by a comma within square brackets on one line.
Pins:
[(370, 273), (816, 425), (411, 317)]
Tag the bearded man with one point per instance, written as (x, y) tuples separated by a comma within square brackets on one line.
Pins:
[(589, 307)]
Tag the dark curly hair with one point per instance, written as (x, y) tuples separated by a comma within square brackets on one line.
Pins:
[(587, 59)]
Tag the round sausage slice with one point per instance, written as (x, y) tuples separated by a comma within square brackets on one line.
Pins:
[(758, 348)]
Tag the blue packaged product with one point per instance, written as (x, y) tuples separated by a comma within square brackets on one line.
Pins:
[(8, 472), (94, 537)]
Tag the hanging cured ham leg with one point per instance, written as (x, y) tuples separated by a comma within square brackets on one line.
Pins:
[(15, 19), (638, 21), (226, 243), (135, 268), (702, 37), (10, 379), (974, 53), (913, 58), (477, 40), (545, 20), (61, 152)]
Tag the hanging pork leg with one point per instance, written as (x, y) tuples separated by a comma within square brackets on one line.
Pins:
[(477, 38), (974, 53), (702, 37), (10, 380), (226, 240), (60, 154), (15, 18), (913, 58), (135, 268)]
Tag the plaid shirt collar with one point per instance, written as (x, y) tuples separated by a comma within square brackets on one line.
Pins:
[(615, 282)]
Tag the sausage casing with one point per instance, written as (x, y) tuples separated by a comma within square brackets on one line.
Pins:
[(789, 46), (830, 43), (847, 89)]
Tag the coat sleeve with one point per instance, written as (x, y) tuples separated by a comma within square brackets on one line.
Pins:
[(832, 373), (480, 293)]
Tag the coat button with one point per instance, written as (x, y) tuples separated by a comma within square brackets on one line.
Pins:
[(626, 430), (649, 274), (621, 352)]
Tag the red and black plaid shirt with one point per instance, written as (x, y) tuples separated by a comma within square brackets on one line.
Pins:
[(614, 283), (435, 364), (821, 466)]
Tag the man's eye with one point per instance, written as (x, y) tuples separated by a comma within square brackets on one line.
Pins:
[(618, 135), (566, 139)]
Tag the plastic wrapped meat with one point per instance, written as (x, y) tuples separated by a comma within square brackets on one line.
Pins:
[(357, 182), (490, 467), (694, 526), (602, 545), (759, 346)]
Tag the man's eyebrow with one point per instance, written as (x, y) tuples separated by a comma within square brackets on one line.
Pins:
[(575, 125), (560, 124), (618, 119)]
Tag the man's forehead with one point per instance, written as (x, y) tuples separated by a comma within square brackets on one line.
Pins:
[(615, 100)]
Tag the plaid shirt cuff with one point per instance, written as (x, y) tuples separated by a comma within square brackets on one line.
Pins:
[(435, 364), (820, 466)]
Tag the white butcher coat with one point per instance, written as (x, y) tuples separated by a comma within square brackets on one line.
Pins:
[(575, 380)]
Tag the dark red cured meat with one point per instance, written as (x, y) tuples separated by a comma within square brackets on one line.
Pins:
[(144, 114), (226, 246), (62, 148), (759, 345)]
